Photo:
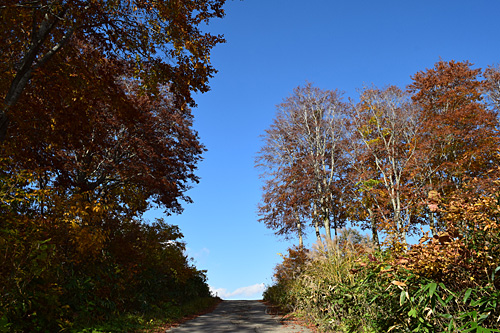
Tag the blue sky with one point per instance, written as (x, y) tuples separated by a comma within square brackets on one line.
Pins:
[(272, 47)]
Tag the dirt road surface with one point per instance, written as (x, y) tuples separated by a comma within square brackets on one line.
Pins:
[(238, 316)]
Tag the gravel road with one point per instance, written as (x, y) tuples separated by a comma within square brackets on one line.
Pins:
[(238, 316)]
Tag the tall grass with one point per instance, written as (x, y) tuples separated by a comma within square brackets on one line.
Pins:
[(323, 292), (321, 289)]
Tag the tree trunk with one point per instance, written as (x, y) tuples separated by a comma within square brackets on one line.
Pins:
[(396, 203), (326, 224), (432, 224), (316, 229), (373, 223), (299, 230), (16, 88), (316, 222)]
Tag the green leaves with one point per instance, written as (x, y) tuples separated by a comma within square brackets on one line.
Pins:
[(494, 272), (432, 288), (467, 295)]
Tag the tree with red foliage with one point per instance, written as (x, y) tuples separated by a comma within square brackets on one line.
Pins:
[(160, 39), (304, 155), (79, 169), (459, 134), (122, 138)]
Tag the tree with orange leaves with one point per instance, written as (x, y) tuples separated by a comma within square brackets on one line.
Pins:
[(459, 135)]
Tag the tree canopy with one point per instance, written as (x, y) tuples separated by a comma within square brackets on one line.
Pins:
[(96, 128), (384, 163), (161, 40)]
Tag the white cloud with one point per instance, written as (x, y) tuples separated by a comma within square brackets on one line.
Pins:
[(251, 292), (200, 256)]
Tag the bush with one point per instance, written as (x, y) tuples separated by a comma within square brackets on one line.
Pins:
[(48, 284), (351, 288)]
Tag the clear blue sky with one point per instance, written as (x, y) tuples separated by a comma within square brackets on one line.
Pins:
[(273, 46)]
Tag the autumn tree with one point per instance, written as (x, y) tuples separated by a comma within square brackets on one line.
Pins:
[(128, 142), (286, 193), (386, 126), (73, 190), (492, 86), (284, 206), (302, 149), (459, 136), (162, 40)]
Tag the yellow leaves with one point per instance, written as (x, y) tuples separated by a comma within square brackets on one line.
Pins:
[(365, 131), (87, 241), (374, 119), (372, 142), (52, 124), (96, 207), (398, 283), (387, 269)]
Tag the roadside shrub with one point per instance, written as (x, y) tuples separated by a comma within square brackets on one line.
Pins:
[(350, 287), (50, 282), (284, 276)]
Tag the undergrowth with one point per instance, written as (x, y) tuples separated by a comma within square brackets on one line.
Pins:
[(154, 320), (351, 287)]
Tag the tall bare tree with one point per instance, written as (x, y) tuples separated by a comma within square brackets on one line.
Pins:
[(303, 146), (386, 126)]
